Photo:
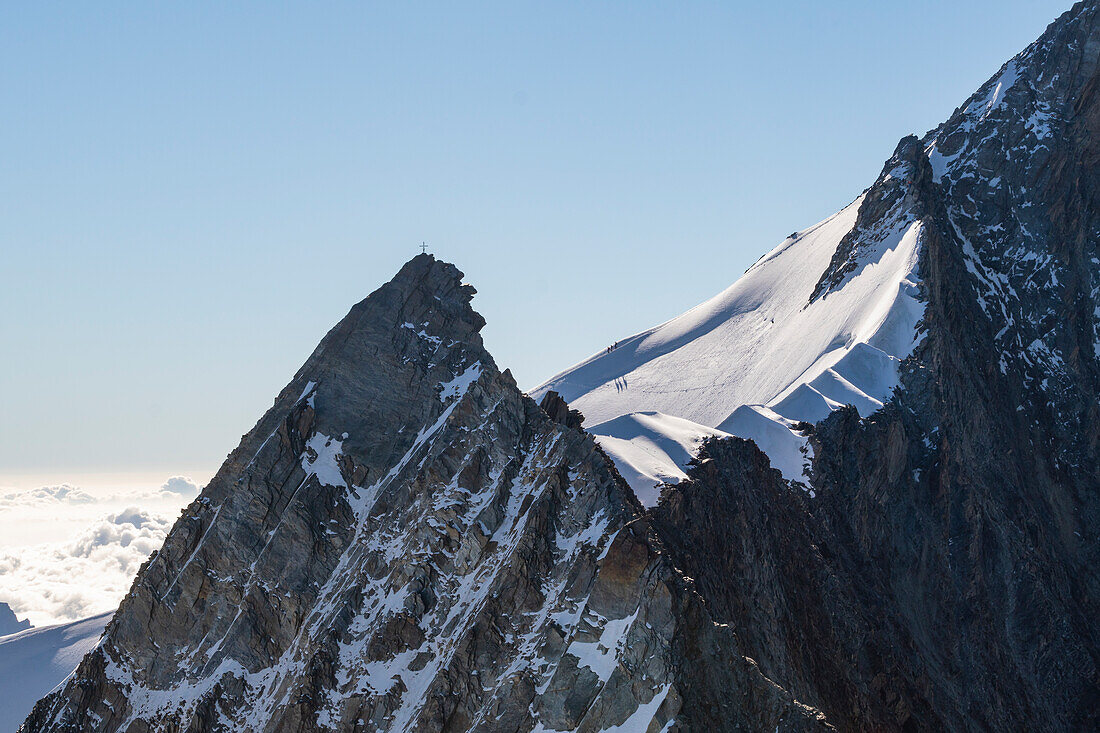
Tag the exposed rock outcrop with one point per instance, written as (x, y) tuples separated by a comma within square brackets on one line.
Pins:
[(554, 406), (943, 574), (407, 542)]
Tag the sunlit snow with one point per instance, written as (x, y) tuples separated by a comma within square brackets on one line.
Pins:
[(759, 356)]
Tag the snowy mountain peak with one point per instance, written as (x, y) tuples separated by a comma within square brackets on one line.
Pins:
[(826, 318), (821, 321)]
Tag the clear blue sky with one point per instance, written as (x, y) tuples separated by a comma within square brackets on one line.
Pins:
[(191, 194)]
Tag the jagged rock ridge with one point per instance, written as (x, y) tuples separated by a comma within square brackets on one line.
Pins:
[(826, 318), (940, 572), (406, 542)]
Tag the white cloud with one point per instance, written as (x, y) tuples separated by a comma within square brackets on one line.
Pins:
[(122, 535), (96, 545), (181, 485), (63, 494)]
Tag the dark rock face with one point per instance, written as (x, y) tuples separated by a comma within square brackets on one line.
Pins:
[(558, 411), (1016, 170), (944, 574), (406, 542), (799, 599), (895, 599)]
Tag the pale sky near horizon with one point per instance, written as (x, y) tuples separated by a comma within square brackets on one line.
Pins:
[(191, 195)]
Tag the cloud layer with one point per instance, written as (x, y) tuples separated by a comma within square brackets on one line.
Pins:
[(63, 494), (92, 569)]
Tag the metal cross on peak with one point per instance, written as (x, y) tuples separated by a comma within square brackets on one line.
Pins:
[(423, 247)]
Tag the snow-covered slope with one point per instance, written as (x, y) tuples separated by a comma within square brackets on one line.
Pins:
[(651, 448), (755, 342), (782, 344), (35, 661), (824, 319)]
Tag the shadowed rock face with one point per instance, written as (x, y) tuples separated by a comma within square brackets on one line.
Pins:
[(943, 574), (406, 542)]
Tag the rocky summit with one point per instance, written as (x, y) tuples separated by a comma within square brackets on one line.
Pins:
[(405, 541), (880, 512)]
